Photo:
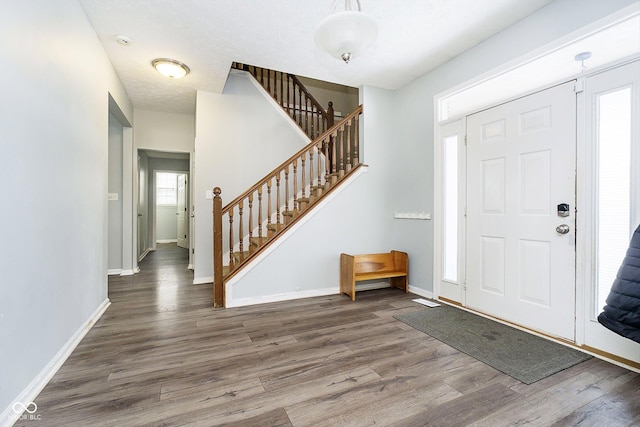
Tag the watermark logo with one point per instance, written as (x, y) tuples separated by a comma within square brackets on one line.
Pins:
[(30, 409)]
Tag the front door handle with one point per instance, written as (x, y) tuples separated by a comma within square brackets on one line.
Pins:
[(562, 229)]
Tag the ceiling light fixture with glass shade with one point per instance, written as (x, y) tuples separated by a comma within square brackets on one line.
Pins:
[(345, 34), (170, 68)]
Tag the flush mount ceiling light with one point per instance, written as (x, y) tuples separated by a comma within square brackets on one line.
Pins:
[(344, 34), (170, 68)]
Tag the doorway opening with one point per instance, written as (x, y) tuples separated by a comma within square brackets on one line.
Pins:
[(120, 257), (165, 209), (171, 216)]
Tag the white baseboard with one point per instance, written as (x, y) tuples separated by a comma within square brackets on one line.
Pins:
[(241, 302), (119, 272), (202, 279), (34, 388), (167, 241), (421, 292), (372, 286)]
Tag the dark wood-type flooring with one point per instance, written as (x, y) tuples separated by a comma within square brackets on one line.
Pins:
[(161, 355)]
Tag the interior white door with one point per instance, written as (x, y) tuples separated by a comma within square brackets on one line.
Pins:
[(142, 200), (521, 167), (612, 186), (181, 213)]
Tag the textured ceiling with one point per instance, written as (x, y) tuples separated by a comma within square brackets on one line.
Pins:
[(414, 36)]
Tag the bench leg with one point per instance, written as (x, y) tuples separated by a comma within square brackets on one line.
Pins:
[(349, 290), (399, 282)]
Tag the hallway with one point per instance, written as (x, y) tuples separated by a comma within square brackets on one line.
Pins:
[(163, 276), (161, 355)]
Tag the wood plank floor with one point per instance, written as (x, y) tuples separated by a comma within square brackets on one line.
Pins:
[(161, 356)]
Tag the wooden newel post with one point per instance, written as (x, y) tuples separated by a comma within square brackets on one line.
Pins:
[(218, 285)]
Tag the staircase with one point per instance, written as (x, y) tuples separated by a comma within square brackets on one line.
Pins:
[(251, 222)]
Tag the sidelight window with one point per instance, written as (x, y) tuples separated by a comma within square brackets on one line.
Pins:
[(614, 186)]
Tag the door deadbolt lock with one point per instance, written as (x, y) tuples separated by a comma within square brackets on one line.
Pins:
[(563, 210), (562, 229)]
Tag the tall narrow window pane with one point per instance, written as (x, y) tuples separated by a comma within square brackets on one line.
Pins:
[(450, 208), (614, 192)]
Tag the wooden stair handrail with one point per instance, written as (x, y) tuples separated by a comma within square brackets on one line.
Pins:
[(308, 94), (287, 162)]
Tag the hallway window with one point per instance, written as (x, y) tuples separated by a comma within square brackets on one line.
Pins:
[(166, 189)]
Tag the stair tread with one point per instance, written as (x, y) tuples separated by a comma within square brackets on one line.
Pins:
[(276, 226), (259, 241), (241, 255)]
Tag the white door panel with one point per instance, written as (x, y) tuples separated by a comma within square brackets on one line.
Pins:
[(181, 213), (520, 166)]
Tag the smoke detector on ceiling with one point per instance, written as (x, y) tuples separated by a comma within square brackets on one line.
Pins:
[(123, 40)]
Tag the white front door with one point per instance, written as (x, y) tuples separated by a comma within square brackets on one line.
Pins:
[(521, 166), (181, 213)]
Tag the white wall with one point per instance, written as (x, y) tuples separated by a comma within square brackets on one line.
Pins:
[(166, 224), (240, 137), (344, 98), (415, 111), (54, 147), (160, 131), (358, 220)]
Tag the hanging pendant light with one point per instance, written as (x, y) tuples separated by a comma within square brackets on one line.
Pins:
[(346, 33)]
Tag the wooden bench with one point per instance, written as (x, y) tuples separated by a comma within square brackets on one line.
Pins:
[(393, 266)]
